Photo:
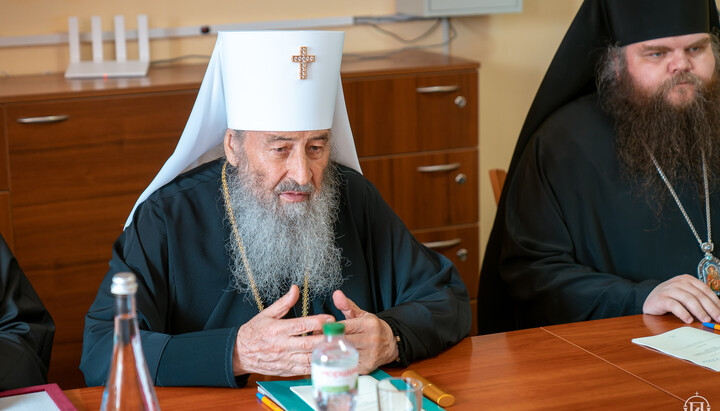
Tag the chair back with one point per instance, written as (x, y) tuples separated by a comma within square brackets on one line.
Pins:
[(497, 180)]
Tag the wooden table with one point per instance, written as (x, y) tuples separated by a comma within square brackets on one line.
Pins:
[(608, 340), (589, 365)]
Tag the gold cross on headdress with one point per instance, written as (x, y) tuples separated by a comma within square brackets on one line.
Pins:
[(303, 59)]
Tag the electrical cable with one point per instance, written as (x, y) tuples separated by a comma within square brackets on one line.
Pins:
[(422, 36), (176, 59), (367, 21), (365, 56)]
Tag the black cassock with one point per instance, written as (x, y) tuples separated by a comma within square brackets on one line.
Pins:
[(579, 242), (26, 329), (189, 313)]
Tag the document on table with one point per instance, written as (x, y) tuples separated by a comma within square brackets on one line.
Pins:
[(297, 394), (28, 402), (366, 399), (46, 397), (701, 347)]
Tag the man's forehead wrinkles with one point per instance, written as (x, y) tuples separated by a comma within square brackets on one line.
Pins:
[(270, 138), (675, 42), (701, 42), (658, 47)]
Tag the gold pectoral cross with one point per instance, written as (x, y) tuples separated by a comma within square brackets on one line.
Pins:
[(303, 59)]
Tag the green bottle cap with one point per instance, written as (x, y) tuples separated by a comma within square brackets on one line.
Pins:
[(333, 328)]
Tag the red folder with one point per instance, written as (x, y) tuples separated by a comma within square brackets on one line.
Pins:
[(53, 390)]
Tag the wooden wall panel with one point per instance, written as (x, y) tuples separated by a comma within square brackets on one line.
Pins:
[(3, 152), (5, 220), (5, 215)]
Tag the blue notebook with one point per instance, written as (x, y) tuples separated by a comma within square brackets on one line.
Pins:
[(281, 394)]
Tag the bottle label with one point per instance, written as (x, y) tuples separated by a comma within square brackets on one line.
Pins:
[(334, 379)]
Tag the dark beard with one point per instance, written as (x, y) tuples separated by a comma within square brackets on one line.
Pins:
[(677, 135)]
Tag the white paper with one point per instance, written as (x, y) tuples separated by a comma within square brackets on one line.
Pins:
[(35, 401), (693, 344), (366, 399)]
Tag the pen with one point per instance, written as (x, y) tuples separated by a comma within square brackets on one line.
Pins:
[(267, 401), (712, 325), (432, 391)]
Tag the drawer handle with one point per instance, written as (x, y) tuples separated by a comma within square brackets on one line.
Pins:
[(437, 89), (43, 119), (443, 244), (438, 168)]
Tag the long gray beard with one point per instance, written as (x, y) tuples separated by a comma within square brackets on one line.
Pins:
[(283, 241)]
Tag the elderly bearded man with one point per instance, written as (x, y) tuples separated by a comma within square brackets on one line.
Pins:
[(238, 258), (612, 194)]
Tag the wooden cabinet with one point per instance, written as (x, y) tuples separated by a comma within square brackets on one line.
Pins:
[(414, 117), (73, 182), (70, 175), (78, 155)]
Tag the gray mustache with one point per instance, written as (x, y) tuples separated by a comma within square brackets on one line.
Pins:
[(289, 185)]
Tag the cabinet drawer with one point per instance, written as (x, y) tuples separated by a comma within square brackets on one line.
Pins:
[(427, 197), (106, 146), (401, 114), (459, 245)]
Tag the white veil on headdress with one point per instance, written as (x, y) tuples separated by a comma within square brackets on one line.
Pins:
[(253, 83)]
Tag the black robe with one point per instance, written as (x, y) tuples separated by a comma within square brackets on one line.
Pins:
[(580, 242), (189, 314), (26, 328)]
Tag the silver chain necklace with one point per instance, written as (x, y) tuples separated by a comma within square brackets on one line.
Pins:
[(708, 270)]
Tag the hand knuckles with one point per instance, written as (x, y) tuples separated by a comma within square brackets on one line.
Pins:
[(690, 299), (297, 328), (307, 344)]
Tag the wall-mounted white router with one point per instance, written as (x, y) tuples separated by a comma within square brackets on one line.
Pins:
[(99, 68)]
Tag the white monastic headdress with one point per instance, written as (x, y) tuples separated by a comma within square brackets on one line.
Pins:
[(264, 81)]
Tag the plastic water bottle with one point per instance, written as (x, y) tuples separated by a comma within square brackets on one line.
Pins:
[(335, 370), (128, 386)]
